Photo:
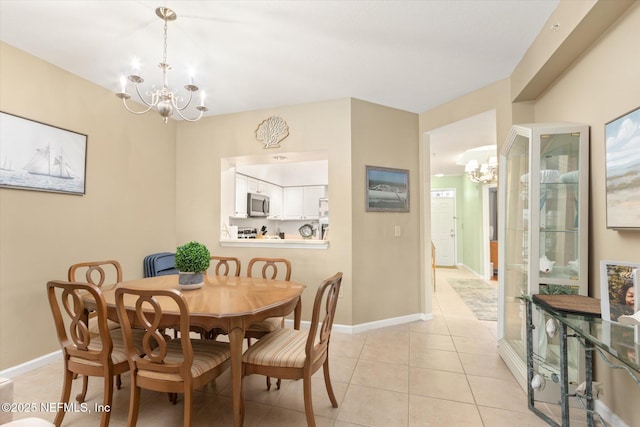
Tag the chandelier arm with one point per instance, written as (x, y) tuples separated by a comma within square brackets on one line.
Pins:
[(124, 102), (154, 98), (174, 101), (191, 120)]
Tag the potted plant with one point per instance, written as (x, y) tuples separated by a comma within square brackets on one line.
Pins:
[(192, 260)]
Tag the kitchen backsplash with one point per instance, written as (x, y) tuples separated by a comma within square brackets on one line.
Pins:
[(290, 227)]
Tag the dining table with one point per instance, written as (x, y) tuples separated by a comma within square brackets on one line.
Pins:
[(230, 304)]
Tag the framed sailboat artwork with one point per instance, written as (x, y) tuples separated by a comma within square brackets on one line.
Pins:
[(37, 156)]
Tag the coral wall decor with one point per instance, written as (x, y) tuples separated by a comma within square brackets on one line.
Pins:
[(271, 131)]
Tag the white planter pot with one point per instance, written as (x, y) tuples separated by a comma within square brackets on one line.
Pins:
[(188, 280)]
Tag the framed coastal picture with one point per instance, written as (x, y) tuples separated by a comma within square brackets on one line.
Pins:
[(622, 159), (37, 156), (387, 190), (618, 289)]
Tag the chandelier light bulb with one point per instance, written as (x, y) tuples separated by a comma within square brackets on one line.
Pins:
[(164, 100), (481, 173)]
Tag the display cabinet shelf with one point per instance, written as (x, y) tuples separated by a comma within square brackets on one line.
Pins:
[(544, 172)]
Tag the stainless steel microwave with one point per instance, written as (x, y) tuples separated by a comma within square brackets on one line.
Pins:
[(257, 205)]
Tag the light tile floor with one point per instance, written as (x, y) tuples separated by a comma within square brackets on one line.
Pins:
[(443, 372)]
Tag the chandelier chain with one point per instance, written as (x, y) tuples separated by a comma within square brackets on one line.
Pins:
[(164, 52)]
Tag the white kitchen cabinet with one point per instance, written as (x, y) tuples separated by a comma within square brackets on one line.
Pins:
[(293, 203), (311, 201), (256, 186), (302, 202), (543, 229), (240, 209), (275, 201)]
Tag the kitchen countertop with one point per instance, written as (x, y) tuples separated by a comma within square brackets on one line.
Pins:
[(276, 243)]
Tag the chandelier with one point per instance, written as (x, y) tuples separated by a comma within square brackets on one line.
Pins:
[(165, 101), (482, 173)]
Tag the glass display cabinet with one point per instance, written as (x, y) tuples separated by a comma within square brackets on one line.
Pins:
[(543, 224)]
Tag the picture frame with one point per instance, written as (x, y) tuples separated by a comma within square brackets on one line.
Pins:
[(617, 281), (622, 161), (387, 189), (37, 156)]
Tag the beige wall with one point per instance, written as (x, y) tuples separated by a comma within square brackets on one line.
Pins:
[(353, 133), (603, 85), (128, 210), (386, 269), (319, 126)]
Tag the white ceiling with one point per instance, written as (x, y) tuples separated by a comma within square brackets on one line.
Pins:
[(247, 55)]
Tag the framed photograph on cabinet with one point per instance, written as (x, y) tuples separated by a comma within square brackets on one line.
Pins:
[(622, 160), (618, 289), (37, 156), (387, 190)]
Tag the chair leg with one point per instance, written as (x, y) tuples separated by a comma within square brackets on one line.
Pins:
[(107, 400), (187, 407), (64, 398), (327, 383), (278, 383), (118, 381), (134, 404), (308, 403), (85, 385)]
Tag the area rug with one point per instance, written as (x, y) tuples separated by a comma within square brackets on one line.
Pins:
[(481, 297)]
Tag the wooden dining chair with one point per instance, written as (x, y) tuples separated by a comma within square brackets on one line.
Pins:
[(267, 268), (298, 354), (222, 265), (97, 273), (96, 355), (179, 365)]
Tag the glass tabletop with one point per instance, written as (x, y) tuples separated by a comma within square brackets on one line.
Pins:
[(621, 341)]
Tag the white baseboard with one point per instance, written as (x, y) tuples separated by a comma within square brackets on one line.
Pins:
[(363, 327), (25, 367)]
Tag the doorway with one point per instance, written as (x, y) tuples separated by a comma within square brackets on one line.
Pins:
[(443, 226)]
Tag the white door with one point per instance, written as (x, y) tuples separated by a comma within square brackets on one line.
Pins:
[(443, 226)]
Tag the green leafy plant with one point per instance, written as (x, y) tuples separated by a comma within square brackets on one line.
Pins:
[(192, 257)]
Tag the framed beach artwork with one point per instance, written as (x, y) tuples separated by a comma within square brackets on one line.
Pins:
[(387, 190), (622, 158), (618, 289), (37, 156)]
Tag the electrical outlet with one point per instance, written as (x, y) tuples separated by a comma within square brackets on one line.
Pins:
[(397, 231)]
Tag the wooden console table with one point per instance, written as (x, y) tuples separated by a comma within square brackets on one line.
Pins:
[(581, 314)]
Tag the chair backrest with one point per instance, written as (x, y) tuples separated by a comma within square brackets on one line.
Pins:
[(96, 272), (160, 264), (148, 315), (272, 268), (223, 265), (69, 308), (324, 309)]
